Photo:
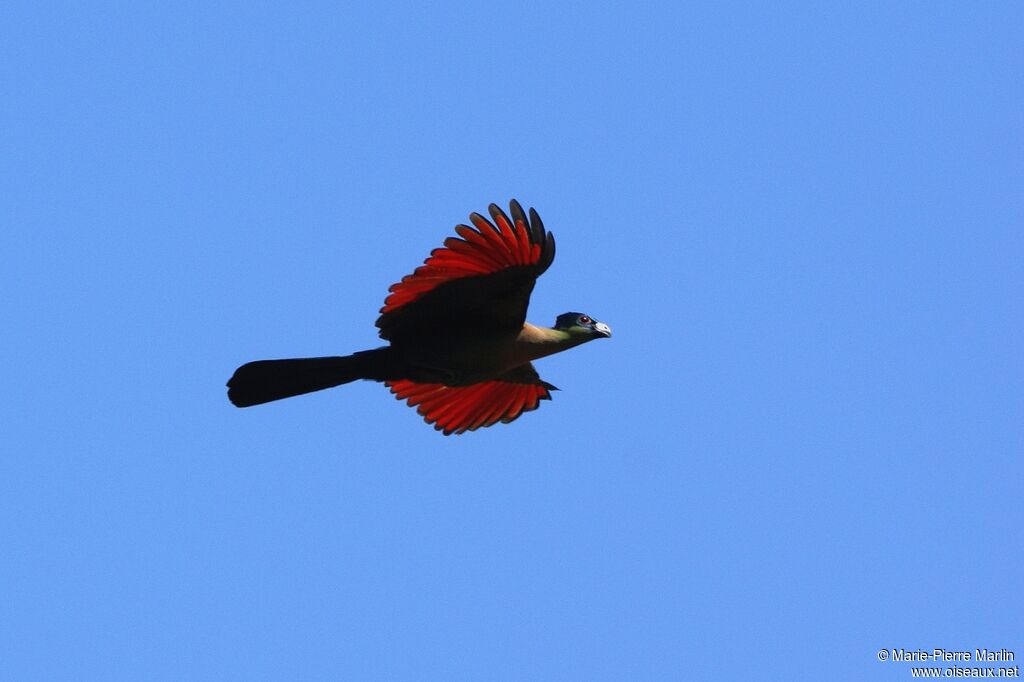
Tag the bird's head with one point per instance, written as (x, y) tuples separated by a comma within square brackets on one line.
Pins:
[(584, 326)]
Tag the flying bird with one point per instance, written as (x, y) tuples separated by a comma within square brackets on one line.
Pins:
[(460, 349)]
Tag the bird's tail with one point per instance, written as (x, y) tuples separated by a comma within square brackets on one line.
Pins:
[(265, 380)]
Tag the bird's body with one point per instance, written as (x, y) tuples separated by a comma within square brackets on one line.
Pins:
[(460, 349), (469, 358)]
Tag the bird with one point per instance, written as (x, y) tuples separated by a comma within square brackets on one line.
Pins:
[(459, 349)]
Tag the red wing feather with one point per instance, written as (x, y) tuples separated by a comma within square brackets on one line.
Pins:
[(490, 248), (457, 409)]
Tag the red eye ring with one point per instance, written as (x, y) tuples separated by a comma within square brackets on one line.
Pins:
[(585, 320)]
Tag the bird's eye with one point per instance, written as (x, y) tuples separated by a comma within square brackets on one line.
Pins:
[(585, 320)]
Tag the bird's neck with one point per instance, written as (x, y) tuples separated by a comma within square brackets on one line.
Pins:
[(537, 342)]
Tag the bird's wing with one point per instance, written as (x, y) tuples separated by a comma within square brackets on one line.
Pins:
[(481, 280), (457, 409)]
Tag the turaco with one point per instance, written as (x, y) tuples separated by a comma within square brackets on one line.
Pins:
[(460, 350)]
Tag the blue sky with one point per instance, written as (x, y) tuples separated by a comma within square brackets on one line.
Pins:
[(803, 444)]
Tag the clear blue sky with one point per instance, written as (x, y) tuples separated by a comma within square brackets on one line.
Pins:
[(803, 444)]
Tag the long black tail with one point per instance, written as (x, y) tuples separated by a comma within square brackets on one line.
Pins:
[(265, 380)]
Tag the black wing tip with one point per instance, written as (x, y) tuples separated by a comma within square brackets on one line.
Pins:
[(535, 219), (538, 234), (496, 211), (474, 217), (548, 252), (517, 212)]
